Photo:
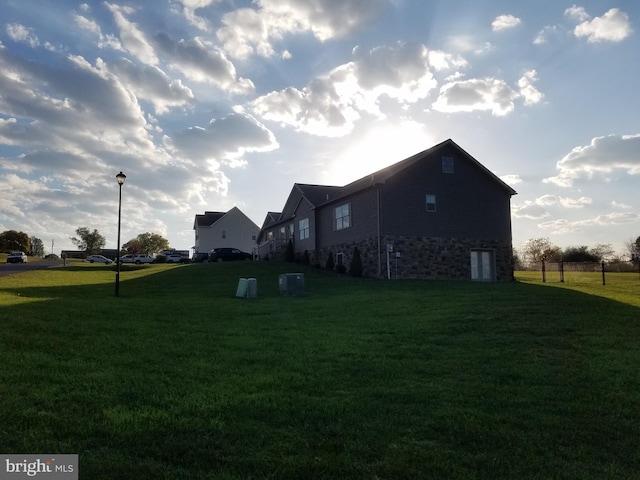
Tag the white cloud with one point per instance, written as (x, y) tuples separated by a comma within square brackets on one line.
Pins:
[(476, 94), (613, 26), (530, 93), (504, 22), (602, 155), (529, 210), (20, 33), (131, 36), (511, 179), (562, 225), (577, 14), (547, 32), (330, 105), (539, 208), (249, 31)]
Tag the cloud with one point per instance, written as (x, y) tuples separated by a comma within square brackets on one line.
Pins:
[(562, 225), (504, 22), (613, 26), (249, 31), (486, 94), (577, 14), (132, 38), (603, 155), (511, 179), (20, 33), (202, 61), (539, 208), (224, 141), (330, 105)]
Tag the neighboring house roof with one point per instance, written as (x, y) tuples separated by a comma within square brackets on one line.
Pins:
[(208, 219), (271, 218)]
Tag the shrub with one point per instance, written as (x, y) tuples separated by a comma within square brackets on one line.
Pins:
[(330, 263), (341, 269), (289, 255), (355, 267), (305, 258)]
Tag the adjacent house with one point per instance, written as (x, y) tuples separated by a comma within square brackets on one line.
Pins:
[(225, 229), (438, 214)]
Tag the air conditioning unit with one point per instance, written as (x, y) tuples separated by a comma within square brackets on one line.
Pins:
[(291, 283)]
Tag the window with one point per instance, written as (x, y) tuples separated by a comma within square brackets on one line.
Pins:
[(270, 236), (447, 164), (303, 227), (431, 203), (339, 258), (343, 216)]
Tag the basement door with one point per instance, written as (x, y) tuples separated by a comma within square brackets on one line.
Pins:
[(482, 265)]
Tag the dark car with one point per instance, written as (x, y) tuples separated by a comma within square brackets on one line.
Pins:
[(200, 257), (228, 254)]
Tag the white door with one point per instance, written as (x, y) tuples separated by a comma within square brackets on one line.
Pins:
[(482, 265)]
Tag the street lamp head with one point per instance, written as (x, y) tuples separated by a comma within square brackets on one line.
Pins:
[(120, 177)]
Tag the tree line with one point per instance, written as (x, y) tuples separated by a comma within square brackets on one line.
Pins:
[(87, 240), (537, 250)]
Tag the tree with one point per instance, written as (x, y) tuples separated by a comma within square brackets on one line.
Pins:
[(633, 247), (289, 255), (147, 244), (37, 247), (355, 267), (12, 240), (88, 241), (538, 249), (579, 254), (604, 251)]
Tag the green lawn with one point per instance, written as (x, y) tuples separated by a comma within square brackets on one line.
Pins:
[(357, 379)]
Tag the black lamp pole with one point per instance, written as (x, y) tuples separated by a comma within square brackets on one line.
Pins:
[(120, 177)]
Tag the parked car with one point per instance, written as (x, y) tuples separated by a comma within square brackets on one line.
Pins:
[(98, 259), (228, 254), (17, 257), (200, 257), (137, 259), (177, 258)]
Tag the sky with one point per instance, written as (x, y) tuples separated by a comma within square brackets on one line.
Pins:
[(210, 104)]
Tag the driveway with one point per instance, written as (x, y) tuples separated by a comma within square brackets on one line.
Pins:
[(11, 268)]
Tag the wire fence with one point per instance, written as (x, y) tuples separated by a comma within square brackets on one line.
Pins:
[(564, 272)]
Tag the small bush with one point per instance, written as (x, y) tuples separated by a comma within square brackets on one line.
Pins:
[(330, 263), (305, 258), (355, 268), (341, 269), (289, 255)]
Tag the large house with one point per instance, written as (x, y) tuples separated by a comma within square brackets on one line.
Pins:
[(439, 214), (225, 229)]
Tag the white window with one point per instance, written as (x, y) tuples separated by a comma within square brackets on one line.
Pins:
[(447, 164), (431, 203), (303, 227), (343, 216)]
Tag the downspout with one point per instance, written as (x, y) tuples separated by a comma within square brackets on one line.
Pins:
[(378, 226)]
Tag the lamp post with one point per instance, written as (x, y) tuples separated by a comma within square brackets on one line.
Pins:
[(120, 177)]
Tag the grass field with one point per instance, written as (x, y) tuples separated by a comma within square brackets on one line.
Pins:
[(357, 379)]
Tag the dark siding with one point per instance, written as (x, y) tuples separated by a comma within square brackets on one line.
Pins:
[(364, 220), (469, 203), (304, 210)]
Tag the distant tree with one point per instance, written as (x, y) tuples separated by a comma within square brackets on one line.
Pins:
[(579, 254), (604, 251), (88, 241), (37, 247), (289, 255), (538, 249), (355, 267), (12, 240), (633, 248), (147, 244), (330, 263)]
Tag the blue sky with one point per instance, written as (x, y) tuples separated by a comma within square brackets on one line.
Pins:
[(210, 104)]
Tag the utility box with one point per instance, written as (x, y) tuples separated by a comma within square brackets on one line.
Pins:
[(252, 288), (291, 283), (241, 292)]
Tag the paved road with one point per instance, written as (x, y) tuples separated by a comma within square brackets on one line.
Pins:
[(10, 268)]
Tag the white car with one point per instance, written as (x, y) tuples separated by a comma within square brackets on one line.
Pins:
[(137, 259), (99, 259), (175, 258), (17, 257)]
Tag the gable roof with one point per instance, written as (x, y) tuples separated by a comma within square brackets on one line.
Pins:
[(208, 219)]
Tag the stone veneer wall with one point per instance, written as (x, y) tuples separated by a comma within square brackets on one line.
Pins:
[(422, 257)]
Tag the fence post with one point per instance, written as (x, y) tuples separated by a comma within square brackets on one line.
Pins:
[(561, 271), (603, 281), (544, 273)]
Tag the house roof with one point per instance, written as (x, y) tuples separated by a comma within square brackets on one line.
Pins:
[(208, 219), (318, 195)]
